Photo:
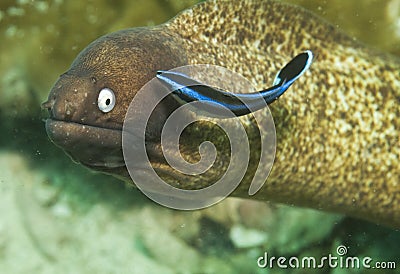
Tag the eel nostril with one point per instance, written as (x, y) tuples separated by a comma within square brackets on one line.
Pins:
[(48, 104), (69, 109)]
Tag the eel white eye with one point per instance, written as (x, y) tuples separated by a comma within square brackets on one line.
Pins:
[(106, 100)]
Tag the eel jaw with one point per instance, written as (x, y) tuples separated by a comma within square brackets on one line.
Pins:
[(94, 147)]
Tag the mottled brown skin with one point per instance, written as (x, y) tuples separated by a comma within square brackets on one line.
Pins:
[(337, 128)]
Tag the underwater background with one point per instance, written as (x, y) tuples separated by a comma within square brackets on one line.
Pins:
[(58, 217)]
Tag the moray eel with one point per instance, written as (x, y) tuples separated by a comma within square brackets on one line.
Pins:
[(337, 129)]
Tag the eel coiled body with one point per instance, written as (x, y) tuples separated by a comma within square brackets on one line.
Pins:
[(337, 128)]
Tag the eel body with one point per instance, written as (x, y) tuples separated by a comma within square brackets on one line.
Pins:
[(337, 128)]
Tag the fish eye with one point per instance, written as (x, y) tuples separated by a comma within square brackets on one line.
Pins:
[(106, 100)]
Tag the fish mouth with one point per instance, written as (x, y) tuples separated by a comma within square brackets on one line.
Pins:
[(95, 147)]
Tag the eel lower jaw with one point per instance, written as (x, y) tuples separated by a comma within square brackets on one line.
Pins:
[(97, 148)]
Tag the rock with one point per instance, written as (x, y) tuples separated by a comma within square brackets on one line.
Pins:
[(243, 237)]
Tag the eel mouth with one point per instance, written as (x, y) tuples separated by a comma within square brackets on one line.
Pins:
[(95, 147)]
